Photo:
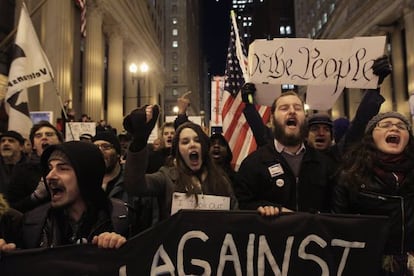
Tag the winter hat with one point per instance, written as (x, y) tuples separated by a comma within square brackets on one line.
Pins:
[(392, 114), (13, 134), (110, 137), (320, 118)]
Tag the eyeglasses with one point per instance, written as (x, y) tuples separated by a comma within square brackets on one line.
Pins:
[(388, 125), (105, 146)]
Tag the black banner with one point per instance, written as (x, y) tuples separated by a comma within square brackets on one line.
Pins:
[(223, 243)]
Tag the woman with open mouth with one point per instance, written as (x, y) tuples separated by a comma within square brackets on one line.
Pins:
[(377, 178), (190, 180)]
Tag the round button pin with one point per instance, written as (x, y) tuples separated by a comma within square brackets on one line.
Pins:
[(280, 182)]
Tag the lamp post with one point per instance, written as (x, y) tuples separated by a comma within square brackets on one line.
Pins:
[(133, 69)]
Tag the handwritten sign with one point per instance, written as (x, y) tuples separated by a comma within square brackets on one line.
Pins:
[(331, 64), (205, 202), (75, 129)]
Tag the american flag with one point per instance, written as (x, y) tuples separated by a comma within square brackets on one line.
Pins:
[(82, 6), (235, 128)]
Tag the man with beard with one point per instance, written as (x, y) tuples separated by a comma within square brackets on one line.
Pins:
[(26, 189), (113, 180), (285, 174), (11, 153)]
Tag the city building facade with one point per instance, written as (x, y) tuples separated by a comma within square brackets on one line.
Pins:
[(91, 66)]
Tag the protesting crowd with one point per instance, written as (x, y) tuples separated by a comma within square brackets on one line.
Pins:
[(105, 189)]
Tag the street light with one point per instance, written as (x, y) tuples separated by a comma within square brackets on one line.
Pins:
[(133, 69)]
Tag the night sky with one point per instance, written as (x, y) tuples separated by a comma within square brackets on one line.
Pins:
[(215, 33)]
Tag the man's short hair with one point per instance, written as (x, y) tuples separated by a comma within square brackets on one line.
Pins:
[(41, 124)]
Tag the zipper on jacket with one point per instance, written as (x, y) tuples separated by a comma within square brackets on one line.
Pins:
[(401, 199)]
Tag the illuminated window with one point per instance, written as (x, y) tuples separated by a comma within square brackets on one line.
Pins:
[(288, 30), (174, 32), (175, 44), (282, 30), (174, 21), (175, 67), (175, 92)]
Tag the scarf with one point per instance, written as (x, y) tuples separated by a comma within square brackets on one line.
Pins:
[(392, 169)]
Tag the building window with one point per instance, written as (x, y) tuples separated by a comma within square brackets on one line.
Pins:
[(175, 79), (282, 30), (174, 32), (175, 67), (175, 44), (174, 21), (325, 18), (174, 9), (175, 92), (288, 30)]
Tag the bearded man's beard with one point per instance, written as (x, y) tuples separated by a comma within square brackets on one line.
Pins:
[(288, 139)]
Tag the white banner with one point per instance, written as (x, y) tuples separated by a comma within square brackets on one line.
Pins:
[(328, 64)]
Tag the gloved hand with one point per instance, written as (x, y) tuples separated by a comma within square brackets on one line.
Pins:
[(247, 92), (40, 192), (137, 124), (382, 68)]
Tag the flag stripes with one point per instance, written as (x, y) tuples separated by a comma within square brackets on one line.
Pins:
[(235, 127)]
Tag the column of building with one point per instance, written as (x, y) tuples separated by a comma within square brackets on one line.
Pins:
[(115, 79), (57, 38), (92, 101), (409, 38), (398, 68)]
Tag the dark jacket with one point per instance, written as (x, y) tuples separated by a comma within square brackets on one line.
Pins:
[(23, 182), (256, 187), (10, 225), (160, 184), (378, 198), (6, 171), (45, 226)]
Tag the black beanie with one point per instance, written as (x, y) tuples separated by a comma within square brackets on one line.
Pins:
[(13, 134), (110, 137)]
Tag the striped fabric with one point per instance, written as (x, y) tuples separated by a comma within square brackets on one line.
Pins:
[(82, 6), (235, 128)]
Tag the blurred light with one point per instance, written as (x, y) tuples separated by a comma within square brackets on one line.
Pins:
[(133, 68), (144, 67), (175, 109), (306, 106)]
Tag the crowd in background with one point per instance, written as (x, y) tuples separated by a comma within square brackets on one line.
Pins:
[(107, 188)]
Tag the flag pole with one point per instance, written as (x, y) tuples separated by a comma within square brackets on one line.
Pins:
[(62, 107), (239, 50)]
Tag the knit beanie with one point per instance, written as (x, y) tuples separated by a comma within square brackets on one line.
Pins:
[(392, 114), (110, 137)]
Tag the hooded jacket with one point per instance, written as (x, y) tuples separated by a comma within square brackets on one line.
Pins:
[(46, 226)]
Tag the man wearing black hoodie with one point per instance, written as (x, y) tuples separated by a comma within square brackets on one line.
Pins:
[(79, 211)]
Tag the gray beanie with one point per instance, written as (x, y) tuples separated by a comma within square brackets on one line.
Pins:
[(392, 114)]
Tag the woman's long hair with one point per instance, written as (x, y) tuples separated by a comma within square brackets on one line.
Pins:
[(213, 181), (358, 162)]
